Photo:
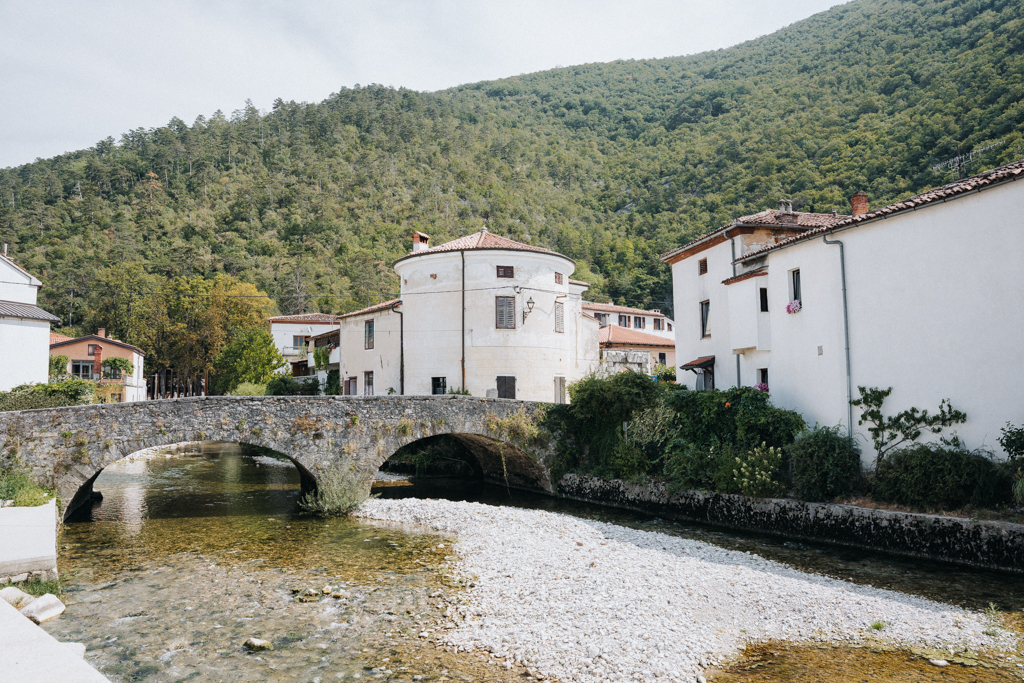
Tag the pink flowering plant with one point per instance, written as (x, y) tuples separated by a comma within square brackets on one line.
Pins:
[(793, 306), (761, 386)]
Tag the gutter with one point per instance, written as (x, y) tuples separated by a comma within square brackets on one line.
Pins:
[(732, 245), (401, 351), (463, 254), (846, 332)]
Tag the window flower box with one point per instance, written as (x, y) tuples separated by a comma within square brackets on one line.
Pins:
[(793, 306)]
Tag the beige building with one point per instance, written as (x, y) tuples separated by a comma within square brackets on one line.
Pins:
[(88, 360), (659, 351)]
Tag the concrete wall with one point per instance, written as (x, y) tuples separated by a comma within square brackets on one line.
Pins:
[(26, 357), (533, 352)]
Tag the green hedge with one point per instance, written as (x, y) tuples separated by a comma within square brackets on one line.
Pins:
[(69, 392), (826, 463), (283, 385), (944, 476)]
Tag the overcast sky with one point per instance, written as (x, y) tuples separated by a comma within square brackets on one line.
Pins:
[(72, 73)]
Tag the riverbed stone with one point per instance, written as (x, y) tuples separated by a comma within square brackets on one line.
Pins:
[(258, 645), (44, 608)]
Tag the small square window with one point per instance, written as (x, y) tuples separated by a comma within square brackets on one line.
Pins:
[(506, 386), (702, 267), (662, 359), (558, 278), (659, 324), (762, 376), (639, 322), (623, 321), (438, 385), (92, 349), (506, 271)]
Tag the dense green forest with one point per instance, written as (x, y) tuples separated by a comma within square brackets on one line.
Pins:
[(610, 164)]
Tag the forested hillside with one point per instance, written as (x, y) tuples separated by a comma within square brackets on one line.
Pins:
[(610, 164)]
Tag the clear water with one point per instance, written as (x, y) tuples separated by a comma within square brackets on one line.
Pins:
[(188, 556)]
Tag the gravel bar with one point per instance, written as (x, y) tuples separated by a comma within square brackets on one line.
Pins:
[(580, 600)]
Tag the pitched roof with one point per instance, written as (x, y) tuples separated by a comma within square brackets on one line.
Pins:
[(101, 340), (757, 272), (481, 240), (579, 282), (16, 309), (952, 190), (612, 308), (613, 334), (382, 306), (57, 338), (769, 218), (305, 318)]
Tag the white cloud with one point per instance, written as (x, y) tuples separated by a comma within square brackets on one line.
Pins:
[(76, 72)]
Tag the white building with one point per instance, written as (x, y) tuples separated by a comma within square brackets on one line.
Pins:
[(291, 333), (24, 327), (648, 322), (482, 313), (925, 296)]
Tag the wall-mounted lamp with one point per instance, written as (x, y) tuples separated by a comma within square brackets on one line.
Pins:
[(529, 308)]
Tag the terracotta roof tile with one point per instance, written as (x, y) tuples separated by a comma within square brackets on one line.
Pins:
[(613, 334), (994, 177), (612, 308), (757, 272), (305, 318), (481, 240), (382, 306), (101, 340), (702, 362), (57, 338)]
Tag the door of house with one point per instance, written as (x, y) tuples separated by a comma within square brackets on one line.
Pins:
[(506, 386), (559, 390), (351, 386)]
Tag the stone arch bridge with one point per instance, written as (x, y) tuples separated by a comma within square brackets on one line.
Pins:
[(67, 448)]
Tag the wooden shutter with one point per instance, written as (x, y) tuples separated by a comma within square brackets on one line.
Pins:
[(559, 316), (501, 386), (506, 271), (558, 278), (505, 312), (702, 266)]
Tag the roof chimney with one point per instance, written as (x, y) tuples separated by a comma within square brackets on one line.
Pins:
[(5, 249), (102, 332), (420, 242), (859, 204), (785, 206)]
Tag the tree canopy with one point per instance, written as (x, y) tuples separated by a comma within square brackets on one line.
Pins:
[(610, 164)]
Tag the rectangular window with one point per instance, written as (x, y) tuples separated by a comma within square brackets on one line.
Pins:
[(639, 322), (298, 341), (702, 267), (659, 324), (670, 327), (762, 376), (506, 271), (505, 312), (705, 309), (368, 335), (794, 285), (506, 386), (559, 390), (438, 385), (623, 321), (368, 383), (602, 319), (92, 349), (559, 316), (662, 359), (81, 369), (558, 278), (764, 299)]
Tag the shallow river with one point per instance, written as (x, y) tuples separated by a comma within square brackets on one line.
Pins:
[(188, 556)]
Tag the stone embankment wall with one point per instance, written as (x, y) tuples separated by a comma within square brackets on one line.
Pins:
[(986, 544), (67, 448)]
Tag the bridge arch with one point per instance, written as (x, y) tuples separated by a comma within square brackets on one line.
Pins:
[(68, 447)]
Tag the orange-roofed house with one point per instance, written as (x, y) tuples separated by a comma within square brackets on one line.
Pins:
[(88, 359)]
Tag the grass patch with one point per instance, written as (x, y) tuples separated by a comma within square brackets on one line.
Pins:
[(339, 490), (20, 488), (38, 587), (878, 625)]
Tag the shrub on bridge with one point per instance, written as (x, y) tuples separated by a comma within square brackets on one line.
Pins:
[(69, 392), (293, 386)]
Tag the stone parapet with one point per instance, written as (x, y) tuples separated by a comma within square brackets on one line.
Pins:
[(998, 545)]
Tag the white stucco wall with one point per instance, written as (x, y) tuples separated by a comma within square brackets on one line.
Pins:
[(26, 352), (533, 352), (284, 332), (16, 285), (384, 359)]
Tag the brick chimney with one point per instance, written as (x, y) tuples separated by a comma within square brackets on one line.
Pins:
[(102, 332), (97, 360), (859, 204), (420, 242)]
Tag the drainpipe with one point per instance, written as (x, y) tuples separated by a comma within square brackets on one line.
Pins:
[(401, 351), (463, 320), (732, 245), (846, 332)]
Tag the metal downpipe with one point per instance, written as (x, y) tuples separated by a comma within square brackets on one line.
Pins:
[(846, 333)]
